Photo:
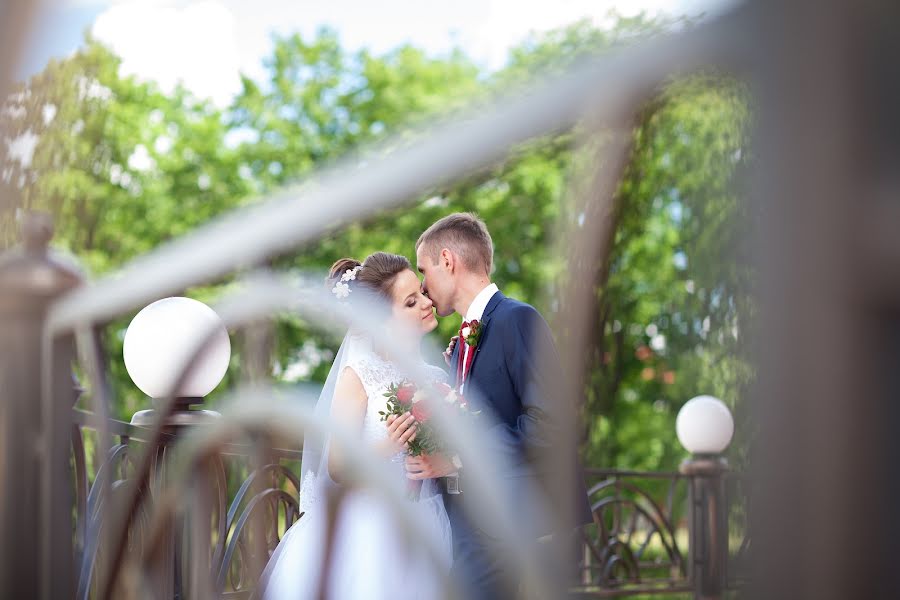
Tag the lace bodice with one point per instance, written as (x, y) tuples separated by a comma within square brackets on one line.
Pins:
[(376, 375)]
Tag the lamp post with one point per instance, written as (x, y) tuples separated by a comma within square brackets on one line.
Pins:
[(705, 426), (159, 343), (157, 346)]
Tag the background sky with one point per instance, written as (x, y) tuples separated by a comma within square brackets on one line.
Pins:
[(207, 43)]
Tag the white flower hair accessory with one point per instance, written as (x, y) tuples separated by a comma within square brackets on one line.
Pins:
[(350, 274), (341, 289)]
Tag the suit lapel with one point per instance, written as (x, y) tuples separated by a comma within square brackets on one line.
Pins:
[(492, 304), (454, 363)]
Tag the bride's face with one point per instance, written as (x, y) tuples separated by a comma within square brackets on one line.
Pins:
[(410, 305)]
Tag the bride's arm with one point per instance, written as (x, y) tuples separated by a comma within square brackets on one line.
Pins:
[(349, 409)]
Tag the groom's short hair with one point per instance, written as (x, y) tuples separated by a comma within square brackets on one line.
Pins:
[(466, 235)]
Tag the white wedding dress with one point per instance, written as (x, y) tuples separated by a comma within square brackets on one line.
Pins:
[(371, 558)]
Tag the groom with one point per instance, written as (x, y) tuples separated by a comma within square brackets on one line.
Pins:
[(501, 360)]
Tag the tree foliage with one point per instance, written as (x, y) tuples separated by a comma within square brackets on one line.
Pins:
[(125, 167)]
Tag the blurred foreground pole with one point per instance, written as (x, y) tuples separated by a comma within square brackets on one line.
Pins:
[(16, 19), (825, 520), (35, 486), (30, 446)]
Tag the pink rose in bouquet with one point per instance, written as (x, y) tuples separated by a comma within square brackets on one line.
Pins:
[(406, 397)]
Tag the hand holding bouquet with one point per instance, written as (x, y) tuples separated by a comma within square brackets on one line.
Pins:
[(406, 397)]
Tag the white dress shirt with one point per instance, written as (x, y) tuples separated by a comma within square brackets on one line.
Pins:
[(475, 313)]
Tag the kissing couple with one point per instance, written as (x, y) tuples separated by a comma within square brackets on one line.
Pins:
[(506, 355)]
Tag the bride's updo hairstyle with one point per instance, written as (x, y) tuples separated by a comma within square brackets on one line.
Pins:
[(373, 281)]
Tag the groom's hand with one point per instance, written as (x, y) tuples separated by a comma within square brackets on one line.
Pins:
[(428, 466), (448, 353)]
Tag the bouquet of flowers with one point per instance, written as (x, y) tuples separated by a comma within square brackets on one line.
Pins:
[(405, 397)]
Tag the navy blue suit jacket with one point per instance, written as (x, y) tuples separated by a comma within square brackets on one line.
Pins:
[(520, 393)]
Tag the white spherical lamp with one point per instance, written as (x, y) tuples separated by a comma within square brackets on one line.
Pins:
[(160, 340), (704, 425)]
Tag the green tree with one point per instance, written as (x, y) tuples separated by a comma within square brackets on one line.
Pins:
[(122, 167), (319, 102), (125, 167), (676, 308)]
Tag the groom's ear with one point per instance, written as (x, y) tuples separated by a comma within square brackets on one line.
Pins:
[(447, 260)]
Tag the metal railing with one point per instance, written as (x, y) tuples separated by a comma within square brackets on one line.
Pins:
[(244, 485), (639, 543), (827, 144)]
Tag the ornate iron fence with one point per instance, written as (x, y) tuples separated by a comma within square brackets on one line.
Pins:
[(639, 543), (647, 536), (242, 485)]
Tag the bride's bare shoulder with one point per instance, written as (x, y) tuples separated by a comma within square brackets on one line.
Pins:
[(349, 385)]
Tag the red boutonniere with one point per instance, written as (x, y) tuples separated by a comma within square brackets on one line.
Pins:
[(472, 333)]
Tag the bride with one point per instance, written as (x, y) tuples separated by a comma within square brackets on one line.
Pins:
[(370, 557)]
